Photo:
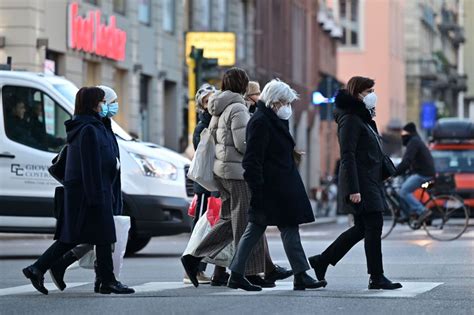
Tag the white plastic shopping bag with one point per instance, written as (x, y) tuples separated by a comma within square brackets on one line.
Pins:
[(202, 228), (122, 226), (201, 169)]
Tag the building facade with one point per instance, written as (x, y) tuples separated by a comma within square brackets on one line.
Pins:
[(292, 44), (136, 47), (434, 79), (468, 56), (373, 46)]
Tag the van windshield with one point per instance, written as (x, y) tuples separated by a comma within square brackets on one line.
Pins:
[(69, 91), (454, 161)]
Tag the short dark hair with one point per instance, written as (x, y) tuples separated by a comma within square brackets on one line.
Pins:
[(87, 99), (357, 85), (235, 80)]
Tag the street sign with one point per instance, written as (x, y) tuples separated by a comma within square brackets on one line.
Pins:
[(428, 115), (219, 45)]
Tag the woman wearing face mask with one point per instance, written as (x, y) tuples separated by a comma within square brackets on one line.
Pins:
[(360, 182), (89, 199), (278, 194), (229, 121), (57, 271), (251, 96)]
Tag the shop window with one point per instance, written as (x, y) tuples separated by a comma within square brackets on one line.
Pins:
[(120, 6), (144, 11), (350, 22), (33, 118), (169, 16)]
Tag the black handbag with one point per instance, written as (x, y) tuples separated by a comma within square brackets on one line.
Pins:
[(58, 201), (388, 168), (58, 167)]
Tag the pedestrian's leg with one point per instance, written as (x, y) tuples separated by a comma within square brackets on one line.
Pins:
[(81, 250), (341, 246), (200, 211), (251, 236), (52, 254), (105, 264), (290, 237), (373, 223), (411, 184)]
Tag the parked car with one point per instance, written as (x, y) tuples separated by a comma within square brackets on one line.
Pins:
[(452, 147), (155, 188)]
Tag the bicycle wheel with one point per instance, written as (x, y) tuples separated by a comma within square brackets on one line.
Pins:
[(389, 221), (449, 220)]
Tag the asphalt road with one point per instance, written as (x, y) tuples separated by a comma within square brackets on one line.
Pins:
[(438, 278)]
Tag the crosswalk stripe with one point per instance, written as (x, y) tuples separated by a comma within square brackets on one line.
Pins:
[(29, 288), (409, 290)]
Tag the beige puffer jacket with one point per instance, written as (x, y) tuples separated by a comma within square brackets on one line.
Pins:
[(229, 121)]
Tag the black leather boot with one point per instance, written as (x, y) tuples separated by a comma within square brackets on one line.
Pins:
[(97, 280), (191, 266), (319, 267), (115, 287), (303, 281), (261, 282), (58, 270), (237, 281), (36, 277), (380, 282)]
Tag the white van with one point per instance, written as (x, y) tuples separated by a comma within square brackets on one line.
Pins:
[(155, 189)]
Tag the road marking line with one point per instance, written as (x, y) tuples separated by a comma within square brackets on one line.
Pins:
[(29, 288), (159, 286)]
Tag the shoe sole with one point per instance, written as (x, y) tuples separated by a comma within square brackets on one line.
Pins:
[(372, 287), (188, 272), (28, 275), (322, 284), (110, 292), (60, 288), (235, 287)]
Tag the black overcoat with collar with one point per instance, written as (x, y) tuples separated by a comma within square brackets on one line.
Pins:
[(278, 194), (360, 168)]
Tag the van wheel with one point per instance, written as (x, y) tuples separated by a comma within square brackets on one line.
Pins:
[(136, 243)]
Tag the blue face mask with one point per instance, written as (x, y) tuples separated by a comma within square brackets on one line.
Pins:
[(112, 109), (103, 110)]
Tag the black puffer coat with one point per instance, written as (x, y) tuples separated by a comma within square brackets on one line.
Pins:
[(361, 158), (204, 120), (278, 194)]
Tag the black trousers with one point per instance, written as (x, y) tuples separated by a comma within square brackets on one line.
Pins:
[(367, 226), (105, 265), (290, 237)]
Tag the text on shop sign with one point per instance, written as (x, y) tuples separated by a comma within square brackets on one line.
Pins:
[(90, 35)]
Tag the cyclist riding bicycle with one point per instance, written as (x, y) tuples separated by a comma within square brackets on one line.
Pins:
[(418, 160)]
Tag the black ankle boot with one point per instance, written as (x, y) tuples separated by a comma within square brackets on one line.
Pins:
[(97, 281), (380, 282), (319, 267), (58, 270), (238, 281), (36, 277), (303, 281)]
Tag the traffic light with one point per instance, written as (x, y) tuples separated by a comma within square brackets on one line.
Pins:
[(205, 68)]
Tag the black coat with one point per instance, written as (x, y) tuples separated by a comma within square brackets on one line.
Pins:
[(91, 173), (278, 194), (417, 158), (360, 169), (204, 120)]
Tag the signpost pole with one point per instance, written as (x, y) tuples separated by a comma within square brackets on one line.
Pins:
[(191, 92)]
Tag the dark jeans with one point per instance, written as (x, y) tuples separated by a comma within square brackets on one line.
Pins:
[(290, 237), (201, 208), (58, 249), (368, 226)]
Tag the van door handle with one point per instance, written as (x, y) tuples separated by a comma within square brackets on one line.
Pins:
[(7, 155)]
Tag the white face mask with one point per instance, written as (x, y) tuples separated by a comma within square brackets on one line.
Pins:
[(284, 112), (370, 101)]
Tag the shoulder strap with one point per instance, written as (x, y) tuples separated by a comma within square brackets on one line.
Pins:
[(377, 137)]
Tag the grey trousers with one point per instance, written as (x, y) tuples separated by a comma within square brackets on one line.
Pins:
[(290, 237)]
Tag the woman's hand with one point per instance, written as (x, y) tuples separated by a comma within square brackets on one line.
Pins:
[(355, 198)]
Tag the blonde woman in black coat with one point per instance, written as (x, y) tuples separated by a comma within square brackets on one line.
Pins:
[(278, 194), (360, 182)]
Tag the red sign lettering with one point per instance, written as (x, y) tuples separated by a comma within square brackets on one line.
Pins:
[(88, 34)]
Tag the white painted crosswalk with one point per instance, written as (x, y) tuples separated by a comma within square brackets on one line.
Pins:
[(409, 290)]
